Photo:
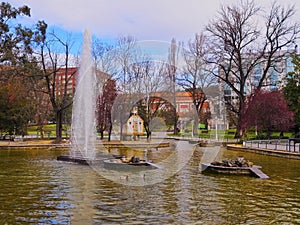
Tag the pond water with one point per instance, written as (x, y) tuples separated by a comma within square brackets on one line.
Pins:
[(38, 189)]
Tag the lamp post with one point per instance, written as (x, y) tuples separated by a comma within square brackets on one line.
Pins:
[(216, 128), (192, 128)]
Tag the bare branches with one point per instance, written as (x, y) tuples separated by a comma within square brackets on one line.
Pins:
[(57, 74), (105, 57), (239, 46), (196, 74), (196, 71), (235, 27), (280, 31), (280, 37)]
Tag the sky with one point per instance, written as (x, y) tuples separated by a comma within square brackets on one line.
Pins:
[(156, 20)]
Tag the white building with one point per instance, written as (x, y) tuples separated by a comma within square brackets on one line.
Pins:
[(134, 124)]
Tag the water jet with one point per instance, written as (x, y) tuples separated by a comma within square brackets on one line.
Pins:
[(83, 128)]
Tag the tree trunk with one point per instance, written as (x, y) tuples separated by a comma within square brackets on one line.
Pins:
[(195, 128), (148, 135), (109, 131), (121, 129), (58, 126), (175, 111), (175, 123), (239, 132), (147, 129), (40, 128)]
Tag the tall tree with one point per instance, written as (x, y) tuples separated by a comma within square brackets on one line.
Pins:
[(238, 45), (17, 44), (147, 80), (196, 75), (291, 91), (57, 75), (104, 107), (125, 53)]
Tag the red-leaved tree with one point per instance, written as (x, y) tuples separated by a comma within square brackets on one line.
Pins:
[(104, 107), (267, 111)]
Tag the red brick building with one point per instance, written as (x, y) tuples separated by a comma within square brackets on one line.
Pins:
[(66, 79)]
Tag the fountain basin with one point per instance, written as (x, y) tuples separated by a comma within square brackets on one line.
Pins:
[(251, 171), (78, 160), (118, 164)]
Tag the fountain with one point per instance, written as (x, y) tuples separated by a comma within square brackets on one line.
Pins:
[(83, 129)]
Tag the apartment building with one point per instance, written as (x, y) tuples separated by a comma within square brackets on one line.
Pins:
[(274, 79), (66, 79)]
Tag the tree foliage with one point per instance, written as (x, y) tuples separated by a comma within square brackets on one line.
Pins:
[(167, 113), (16, 40), (17, 43), (156, 106), (17, 106), (291, 91), (104, 107), (267, 111)]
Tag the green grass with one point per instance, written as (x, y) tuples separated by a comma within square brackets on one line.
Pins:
[(49, 129), (224, 134), (251, 135), (229, 134)]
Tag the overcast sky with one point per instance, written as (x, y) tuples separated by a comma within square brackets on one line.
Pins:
[(144, 19)]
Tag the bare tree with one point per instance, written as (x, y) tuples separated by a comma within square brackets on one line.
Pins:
[(125, 56), (147, 78), (124, 53), (105, 57), (104, 107), (53, 63), (239, 44), (196, 75)]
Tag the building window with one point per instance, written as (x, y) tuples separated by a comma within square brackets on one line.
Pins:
[(184, 108)]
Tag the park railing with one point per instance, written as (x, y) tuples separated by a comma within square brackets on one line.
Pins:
[(291, 144)]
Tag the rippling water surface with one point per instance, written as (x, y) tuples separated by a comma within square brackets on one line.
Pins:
[(37, 189)]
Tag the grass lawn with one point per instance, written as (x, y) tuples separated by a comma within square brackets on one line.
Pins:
[(229, 134), (49, 130)]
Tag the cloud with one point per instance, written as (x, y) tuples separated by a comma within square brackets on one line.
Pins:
[(155, 19)]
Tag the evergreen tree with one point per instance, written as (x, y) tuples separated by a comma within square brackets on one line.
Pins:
[(291, 91)]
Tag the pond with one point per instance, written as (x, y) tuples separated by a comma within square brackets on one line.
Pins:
[(38, 189)]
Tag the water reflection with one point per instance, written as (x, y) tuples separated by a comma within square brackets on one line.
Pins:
[(37, 189)]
